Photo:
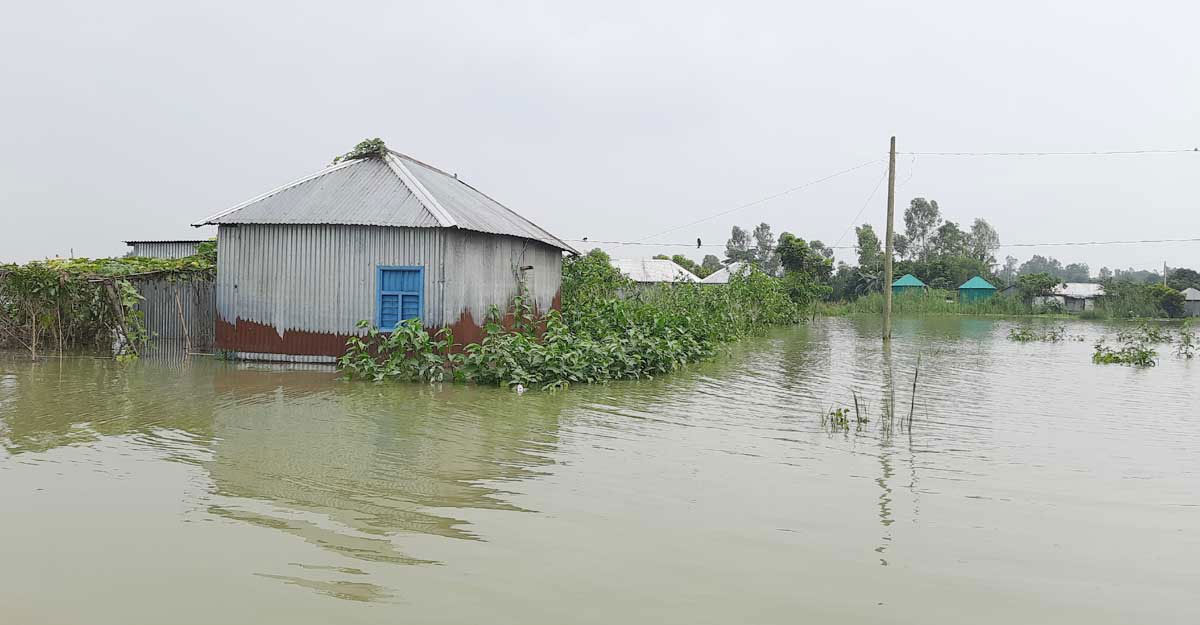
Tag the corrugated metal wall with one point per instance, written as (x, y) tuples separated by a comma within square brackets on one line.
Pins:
[(197, 300), (163, 249), (300, 289)]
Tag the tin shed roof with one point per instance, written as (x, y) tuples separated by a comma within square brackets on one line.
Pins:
[(908, 280), (654, 270), (977, 283), (722, 275), (388, 190), (1079, 290), (1191, 294)]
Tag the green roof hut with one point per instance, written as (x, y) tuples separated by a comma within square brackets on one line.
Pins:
[(975, 289), (907, 284)]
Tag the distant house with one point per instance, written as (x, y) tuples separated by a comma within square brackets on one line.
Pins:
[(164, 249), (647, 271), (908, 284), (975, 289), (722, 275), (384, 238), (1072, 296), (1191, 302)]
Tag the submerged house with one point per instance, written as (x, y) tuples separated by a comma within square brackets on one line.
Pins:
[(1072, 296), (180, 248), (908, 283), (649, 271), (383, 238), (975, 289), (1191, 302)]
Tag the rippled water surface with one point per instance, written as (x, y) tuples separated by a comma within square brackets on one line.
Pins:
[(1031, 487)]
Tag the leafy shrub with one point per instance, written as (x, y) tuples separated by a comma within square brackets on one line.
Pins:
[(608, 329)]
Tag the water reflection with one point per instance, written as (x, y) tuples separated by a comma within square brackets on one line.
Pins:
[(460, 504)]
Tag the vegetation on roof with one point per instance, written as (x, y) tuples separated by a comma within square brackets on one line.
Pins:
[(364, 149)]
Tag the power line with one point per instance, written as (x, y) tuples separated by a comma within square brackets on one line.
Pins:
[(758, 201), (1095, 153), (851, 247), (860, 210)]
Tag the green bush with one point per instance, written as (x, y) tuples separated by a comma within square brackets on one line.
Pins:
[(608, 329)]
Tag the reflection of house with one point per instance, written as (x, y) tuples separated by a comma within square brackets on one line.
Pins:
[(722, 275), (1191, 302), (1072, 296), (908, 283), (654, 271), (975, 289)]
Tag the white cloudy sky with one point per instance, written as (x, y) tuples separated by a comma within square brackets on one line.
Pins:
[(614, 120)]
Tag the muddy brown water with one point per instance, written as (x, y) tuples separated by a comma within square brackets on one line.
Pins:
[(1031, 487)]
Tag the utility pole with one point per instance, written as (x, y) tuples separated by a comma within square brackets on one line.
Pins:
[(1164, 273), (887, 255)]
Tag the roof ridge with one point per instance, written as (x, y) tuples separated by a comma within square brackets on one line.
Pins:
[(419, 191)]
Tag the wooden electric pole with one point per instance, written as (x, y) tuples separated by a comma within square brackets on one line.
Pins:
[(887, 254)]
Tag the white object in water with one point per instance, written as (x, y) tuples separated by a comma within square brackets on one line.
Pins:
[(520, 388)]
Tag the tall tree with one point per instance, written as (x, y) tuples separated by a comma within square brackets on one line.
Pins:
[(1106, 273), (797, 256), (1009, 273), (949, 240), (1042, 264), (765, 252), (821, 248), (921, 221), (710, 264), (737, 249), (1076, 272), (870, 255), (983, 242)]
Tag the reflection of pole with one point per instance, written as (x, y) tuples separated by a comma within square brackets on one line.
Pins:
[(887, 255)]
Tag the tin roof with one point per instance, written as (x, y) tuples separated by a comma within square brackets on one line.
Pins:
[(654, 270), (392, 190), (136, 241), (908, 280), (722, 275), (977, 283), (1079, 290), (1191, 294)]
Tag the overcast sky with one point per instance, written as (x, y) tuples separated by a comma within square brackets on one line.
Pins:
[(611, 120)]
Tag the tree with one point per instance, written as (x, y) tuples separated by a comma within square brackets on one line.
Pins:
[(806, 272), (949, 240), (737, 249), (1008, 275), (1041, 264), (1035, 284), (711, 264), (1169, 300), (821, 248), (1180, 279), (1105, 274), (765, 251), (921, 221), (900, 245), (983, 241), (870, 256), (1076, 272)]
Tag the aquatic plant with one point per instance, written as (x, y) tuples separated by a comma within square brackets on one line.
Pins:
[(836, 419), (1186, 342), (1144, 333), (1137, 354), (607, 330)]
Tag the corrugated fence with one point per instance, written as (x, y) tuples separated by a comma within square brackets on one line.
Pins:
[(170, 306)]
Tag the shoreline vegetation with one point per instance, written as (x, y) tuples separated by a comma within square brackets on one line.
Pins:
[(608, 329)]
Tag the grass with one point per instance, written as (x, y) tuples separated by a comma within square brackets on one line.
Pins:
[(934, 302)]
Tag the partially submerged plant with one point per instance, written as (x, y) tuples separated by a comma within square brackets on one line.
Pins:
[(1136, 354)]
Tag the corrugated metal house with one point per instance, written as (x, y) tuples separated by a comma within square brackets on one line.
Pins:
[(383, 238), (1072, 296), (164, 249), (654, 271), (908, 283), (975, 289), (1191, 302)]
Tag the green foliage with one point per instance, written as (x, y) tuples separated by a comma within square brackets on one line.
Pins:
[(1028, 334), (934, 302), (364, 149), (687, 263), (1132, 353), (1186, 344), (1180, 279), (1036, 284), (1132, 300), (68, 302), (607, 330)]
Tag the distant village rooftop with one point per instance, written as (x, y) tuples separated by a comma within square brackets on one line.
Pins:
[(654, 270)]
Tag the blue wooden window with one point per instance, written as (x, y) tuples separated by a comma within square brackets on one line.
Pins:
[(401, 295)]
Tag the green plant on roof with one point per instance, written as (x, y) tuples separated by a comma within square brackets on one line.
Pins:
[(365, 148)]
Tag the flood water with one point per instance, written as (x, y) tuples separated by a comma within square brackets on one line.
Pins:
[(1032, 486)]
